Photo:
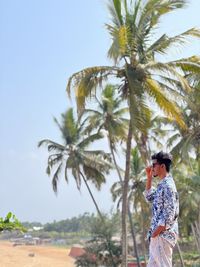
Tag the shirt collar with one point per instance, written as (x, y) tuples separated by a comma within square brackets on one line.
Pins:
[(168, 176)]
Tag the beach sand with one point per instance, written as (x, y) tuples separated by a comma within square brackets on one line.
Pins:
[(33, 256)]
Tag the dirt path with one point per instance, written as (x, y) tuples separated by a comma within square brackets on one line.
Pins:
[(44, 256)]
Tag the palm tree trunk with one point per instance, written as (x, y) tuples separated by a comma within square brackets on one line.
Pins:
[(129, 212), (114, 159), (124, 197), (143, 148), (93, 199), (196, 234), (180, 255), (133, 236), (143, 236), (100, 215)]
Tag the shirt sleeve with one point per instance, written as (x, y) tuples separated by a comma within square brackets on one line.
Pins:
[(169, 208), (149, 194)]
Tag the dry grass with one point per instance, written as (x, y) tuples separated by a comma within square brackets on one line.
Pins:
[(34, 256)]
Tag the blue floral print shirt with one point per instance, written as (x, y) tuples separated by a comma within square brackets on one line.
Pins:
[(165, 208)]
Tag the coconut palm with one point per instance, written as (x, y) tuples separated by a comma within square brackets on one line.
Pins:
[(134, 52), (188, 140), (188, 185), (85, 165), (110, 115), (135, 198)]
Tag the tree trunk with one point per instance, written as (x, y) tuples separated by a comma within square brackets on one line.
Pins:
[(196, 234), (100, 215), (197, 227), (180, 255), (129, 212), (115, 162), (124, 197), (144, 236), (133, 236), (143, 149), (93, 199)]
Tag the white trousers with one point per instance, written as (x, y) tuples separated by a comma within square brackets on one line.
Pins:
[(160, 253)]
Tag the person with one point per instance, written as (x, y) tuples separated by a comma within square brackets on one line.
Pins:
[(163, 232)]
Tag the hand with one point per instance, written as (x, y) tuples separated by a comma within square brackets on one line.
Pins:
[(158, 230), (149, 172)]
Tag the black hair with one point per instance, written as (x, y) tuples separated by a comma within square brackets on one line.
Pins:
[(163, 158)]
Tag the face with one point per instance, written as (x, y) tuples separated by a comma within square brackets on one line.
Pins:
[(156, 168)]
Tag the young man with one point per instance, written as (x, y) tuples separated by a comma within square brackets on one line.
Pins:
[(163, 232)]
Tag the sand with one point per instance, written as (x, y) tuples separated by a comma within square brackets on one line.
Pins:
[(33, 256)]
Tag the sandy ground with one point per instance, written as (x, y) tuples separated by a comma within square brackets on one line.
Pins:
[(44, 256)]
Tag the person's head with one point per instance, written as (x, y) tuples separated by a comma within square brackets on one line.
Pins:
[(161, 163)]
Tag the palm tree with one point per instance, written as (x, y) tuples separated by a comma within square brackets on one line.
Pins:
[(110, 115), (188, 140), (135, 198), (188, 184), (134, 54), (86, 165)]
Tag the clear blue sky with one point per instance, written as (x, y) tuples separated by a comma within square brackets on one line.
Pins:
[(42, 44)]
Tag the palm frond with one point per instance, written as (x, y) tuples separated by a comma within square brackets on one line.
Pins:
[(164, 103), (151, 14), (114, 7), (164, 42), (171, 71), (69, 126), (53, 159), (116, 191), (92, 111), (120, 42), (56, 177), (99, 161), (95, 176), (179, 147), (66, 172), (173, 139), (136, 11), (193, 32), (86, 81), (135, 162), (77, 177), (88, 140), (187, 65), (141, 114), (58, 124), (52, 145), (121, 111), (172, 85), (100, 153)]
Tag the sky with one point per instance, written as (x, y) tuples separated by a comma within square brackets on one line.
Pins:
[(42, 44)]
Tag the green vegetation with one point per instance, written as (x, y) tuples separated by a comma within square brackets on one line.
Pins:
[(97, 253), (76, 224), (11, 223)]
